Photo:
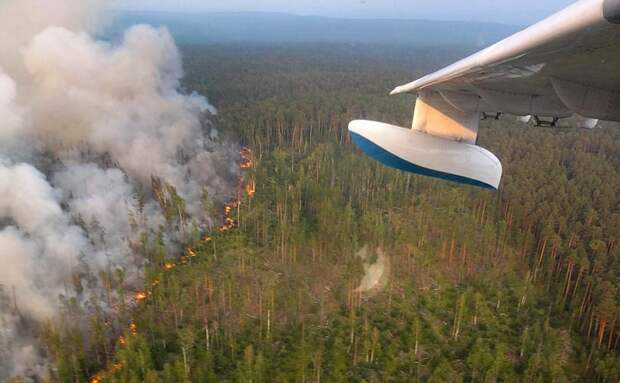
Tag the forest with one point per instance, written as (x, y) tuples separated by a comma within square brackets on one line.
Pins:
[(475, 285)]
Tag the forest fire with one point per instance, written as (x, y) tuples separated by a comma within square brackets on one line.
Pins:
[(229, 222), (133, 328), (250, 189), (100, 376), (247, 163), (140, 296), (169, 266), (246, 158)]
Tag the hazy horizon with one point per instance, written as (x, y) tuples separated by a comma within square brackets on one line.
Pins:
[(527, 12)]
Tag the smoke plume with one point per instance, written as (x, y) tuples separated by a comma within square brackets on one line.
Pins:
[(85, 126), (376, 270)]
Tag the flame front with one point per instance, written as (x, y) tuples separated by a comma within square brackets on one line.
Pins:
[(250, 189), (246, 158), (169, 265), (140, 296), (229, 223)]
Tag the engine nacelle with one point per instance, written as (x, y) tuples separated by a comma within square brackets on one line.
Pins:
[(418, 152)]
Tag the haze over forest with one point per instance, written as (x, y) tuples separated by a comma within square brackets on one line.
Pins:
[(523, 12), (259, 27)]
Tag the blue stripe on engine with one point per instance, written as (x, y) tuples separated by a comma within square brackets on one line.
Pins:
[(378, 153)]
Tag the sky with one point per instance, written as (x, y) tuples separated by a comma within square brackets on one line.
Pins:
[(519, 12)]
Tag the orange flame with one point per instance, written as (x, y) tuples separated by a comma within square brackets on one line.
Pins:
[(169, 265), (246, 158), (229, 223), (100, 376), (141, 295), (133, 328), (250, 189)]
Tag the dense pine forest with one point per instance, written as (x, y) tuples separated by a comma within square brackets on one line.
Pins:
[(329, 267)]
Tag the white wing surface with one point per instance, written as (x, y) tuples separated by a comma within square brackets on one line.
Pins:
[(568, 63)]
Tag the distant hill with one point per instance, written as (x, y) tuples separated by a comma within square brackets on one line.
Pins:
[(254, 27)]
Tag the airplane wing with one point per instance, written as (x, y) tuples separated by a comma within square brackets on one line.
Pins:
[(568, 63)]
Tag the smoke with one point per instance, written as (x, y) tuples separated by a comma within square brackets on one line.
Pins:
[(376, 270), (12, 118), (85, 125)]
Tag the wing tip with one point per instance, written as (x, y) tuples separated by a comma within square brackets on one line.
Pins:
[(397, 90), (407, 88)]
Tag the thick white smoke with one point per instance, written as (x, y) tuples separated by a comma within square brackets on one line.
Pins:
[(84, 126), (39, 244), (11, 115)]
